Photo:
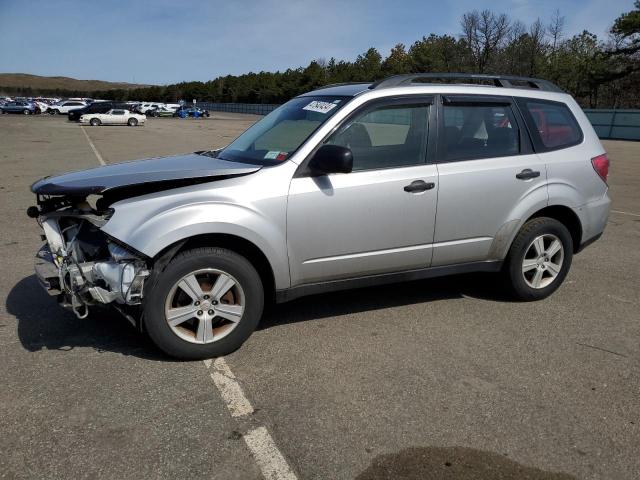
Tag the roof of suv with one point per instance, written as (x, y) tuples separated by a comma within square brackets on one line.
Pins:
[(436, 79)]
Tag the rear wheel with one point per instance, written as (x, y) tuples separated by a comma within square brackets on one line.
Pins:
[(94, 122), (132, 122), (204, 304), (539, 259)]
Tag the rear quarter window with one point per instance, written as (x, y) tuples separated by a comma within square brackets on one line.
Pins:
[(552, 125)]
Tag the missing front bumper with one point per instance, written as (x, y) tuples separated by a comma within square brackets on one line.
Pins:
[(47, 271)]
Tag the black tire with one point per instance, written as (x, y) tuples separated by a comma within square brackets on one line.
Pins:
[(53, 112), (132, 122), (183, 264), (95, 122), (26, 111), (513, 268)]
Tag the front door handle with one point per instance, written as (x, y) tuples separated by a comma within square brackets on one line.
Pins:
[(419, 186), (527, 174)]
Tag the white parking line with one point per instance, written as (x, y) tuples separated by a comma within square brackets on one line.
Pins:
[(230, 389), (625, 213), (270, 460), (93, 147)]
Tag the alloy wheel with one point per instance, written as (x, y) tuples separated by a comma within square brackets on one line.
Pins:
[(542, 261), (205, 306)]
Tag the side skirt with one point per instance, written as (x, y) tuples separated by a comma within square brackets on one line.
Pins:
[(292, 293)]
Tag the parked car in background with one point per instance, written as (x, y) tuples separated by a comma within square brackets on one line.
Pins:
[(41, 107), (116, 116), (195, 112), (66, 107), (145, 107), (26, 108), (161, 112), (96, 107)]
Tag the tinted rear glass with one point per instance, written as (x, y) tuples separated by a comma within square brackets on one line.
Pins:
[(552, 124)]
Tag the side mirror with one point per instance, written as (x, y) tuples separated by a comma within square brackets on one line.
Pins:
[(331, 159)]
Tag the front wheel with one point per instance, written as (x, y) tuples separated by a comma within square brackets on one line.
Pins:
[(95, 122), (53, 112), (26, 111), (204, 304), (539, 259), (132, 122)]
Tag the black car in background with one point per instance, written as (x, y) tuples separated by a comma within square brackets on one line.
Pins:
[(96, 107)]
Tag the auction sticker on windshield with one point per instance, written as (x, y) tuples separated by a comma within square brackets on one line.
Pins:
[(320, 107), (271, 155)]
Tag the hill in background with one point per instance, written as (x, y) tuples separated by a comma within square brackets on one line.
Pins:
[(14, 81)]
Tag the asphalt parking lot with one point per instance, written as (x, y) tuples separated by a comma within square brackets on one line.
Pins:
[(444, 378)]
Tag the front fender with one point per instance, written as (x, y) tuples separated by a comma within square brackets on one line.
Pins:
[(153, 231)]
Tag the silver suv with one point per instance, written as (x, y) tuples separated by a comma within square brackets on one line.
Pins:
[(346, 186)]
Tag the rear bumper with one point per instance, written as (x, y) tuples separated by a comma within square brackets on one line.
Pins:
[(593, 217), (47, 271)]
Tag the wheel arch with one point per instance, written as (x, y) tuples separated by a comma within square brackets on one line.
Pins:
[(567, 217), (235, 243)]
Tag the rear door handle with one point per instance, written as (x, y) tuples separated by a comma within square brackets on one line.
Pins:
[(419, 186), (527, 174)]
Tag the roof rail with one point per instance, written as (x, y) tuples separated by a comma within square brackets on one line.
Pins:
[(505, 81), (342, 84)]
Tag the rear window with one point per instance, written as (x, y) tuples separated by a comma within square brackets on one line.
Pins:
[(552, 124)]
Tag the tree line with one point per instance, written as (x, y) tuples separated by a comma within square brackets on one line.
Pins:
[(598, 73)]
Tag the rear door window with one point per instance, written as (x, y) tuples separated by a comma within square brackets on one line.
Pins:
[(552, 125), (481, 130)]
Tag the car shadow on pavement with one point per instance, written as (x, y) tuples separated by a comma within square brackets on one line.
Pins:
[(484, 286), (43, 325), (460, 463)]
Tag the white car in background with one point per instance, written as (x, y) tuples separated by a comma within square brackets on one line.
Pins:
[(63, 108), (145, 107), (114, 117), (42, 106)]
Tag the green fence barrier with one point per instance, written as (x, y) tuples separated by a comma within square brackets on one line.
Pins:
[(615, 124), (252, 108)]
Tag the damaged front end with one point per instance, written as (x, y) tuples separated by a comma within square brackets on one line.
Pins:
[(80, 264)]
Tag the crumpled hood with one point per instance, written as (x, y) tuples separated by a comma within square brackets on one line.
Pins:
[(153, 170)]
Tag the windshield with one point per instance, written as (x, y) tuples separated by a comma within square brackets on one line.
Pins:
[(273, 139)]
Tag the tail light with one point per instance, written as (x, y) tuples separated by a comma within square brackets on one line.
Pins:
[(601, 166)]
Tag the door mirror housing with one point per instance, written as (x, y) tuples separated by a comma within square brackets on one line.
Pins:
[(331, 159)]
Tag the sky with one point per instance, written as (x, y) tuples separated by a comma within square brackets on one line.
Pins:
[(168, 41)]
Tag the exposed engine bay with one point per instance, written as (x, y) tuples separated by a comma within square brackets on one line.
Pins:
[(81, 264)]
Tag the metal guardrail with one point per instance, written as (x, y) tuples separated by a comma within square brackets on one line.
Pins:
[(608, 124), (615, 124)]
